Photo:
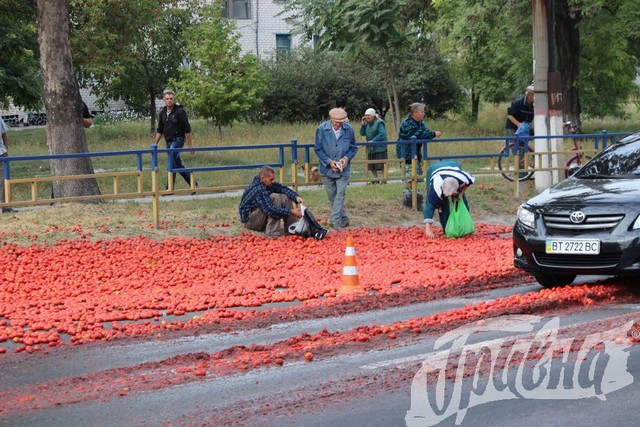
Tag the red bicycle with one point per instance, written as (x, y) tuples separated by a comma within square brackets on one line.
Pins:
[(574, 162)]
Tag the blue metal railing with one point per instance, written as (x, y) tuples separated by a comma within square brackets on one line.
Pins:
[(600, 141)]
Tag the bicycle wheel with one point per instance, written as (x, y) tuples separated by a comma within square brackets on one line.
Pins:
[(575, 161), (526, 170)]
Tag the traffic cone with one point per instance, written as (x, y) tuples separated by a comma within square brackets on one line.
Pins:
[(350, 279)]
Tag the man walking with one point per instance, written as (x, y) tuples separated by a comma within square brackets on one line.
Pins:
[(173, 124)]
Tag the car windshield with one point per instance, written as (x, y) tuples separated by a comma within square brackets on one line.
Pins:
[(620, 160)]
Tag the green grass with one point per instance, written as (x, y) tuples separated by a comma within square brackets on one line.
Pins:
[(494, 197)]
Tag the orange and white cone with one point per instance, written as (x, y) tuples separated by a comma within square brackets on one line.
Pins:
[(350, 278)]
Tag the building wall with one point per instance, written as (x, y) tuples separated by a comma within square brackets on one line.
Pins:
[(258, 34)]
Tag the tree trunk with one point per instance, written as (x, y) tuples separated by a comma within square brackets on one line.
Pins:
[(62, 101), (475, 105), (391, 79), (152, 111), (568, 51)]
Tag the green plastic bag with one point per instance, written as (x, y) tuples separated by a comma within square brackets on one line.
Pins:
[(460, 222)]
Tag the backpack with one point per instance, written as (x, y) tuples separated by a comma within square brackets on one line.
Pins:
[(308, 226)]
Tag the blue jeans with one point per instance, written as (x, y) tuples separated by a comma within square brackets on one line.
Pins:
[(336, 191), (177, 142)]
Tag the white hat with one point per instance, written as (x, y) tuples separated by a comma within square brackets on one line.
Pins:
[(370, 112)]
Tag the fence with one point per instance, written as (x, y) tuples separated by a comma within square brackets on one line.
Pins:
[(144, 167)]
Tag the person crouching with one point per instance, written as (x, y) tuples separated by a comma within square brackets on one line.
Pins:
[(266, 203)]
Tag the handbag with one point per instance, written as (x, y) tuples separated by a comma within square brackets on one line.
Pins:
[(460, 222), (307, 226)]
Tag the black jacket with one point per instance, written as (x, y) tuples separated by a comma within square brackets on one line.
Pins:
[(522, 111), (174, 124)]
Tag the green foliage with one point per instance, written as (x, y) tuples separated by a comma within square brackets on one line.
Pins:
[(609, 59), (129, 49), (219, 83), (382, 35), (428, 79), (304, 85), (20, 81), (489, 44)]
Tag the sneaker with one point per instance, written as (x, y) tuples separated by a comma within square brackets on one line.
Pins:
[(8, 210)]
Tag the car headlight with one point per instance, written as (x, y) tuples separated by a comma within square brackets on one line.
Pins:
[(526, 217), (636, 223)]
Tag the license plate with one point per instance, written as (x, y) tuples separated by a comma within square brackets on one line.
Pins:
[(573, 246)]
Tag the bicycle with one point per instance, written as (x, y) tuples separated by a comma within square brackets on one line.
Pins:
[(526, 170), (575, 161)]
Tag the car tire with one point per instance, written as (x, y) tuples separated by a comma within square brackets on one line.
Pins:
[(554, 280)]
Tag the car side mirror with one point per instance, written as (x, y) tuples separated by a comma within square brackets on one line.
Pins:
[(573, 169)]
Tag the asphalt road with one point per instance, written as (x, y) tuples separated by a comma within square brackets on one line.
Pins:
[(372, 388)]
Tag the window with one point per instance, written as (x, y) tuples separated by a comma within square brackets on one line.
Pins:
[(241, 9), (283, 43)]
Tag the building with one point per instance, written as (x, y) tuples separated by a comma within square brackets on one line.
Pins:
[(262, 27)]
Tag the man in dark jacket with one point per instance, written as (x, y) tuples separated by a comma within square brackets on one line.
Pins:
[(265, 203), (520, 111), (173, 124)]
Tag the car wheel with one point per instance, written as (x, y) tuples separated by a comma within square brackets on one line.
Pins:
[(554, 280)]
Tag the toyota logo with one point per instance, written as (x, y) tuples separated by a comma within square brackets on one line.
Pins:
[(577, 217)]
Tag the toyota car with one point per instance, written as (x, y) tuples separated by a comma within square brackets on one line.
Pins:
[(586, 224)]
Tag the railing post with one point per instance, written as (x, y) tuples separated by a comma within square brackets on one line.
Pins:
[(604, 139), (294, 164), (6, 180), (155, 199)]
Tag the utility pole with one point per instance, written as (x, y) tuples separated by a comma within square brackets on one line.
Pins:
[(541, 103), (556, 122)]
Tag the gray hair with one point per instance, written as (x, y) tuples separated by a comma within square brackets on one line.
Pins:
[(449, 186), (415, 107)]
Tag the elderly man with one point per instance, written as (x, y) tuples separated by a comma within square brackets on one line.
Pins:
[(335, 146), (445, 179), (265, 203)]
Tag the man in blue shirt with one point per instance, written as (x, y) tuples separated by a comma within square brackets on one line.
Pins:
[(335, 146), (265, 203)]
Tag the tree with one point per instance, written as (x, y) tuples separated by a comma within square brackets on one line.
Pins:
[(130, 50), (62, 101), (219, 82), (489, 45), (603, 78), (20, 82), (304, 84), (358, 28)]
